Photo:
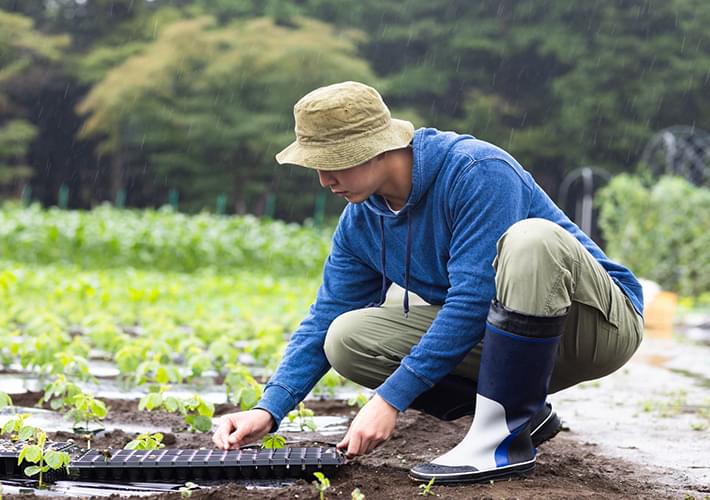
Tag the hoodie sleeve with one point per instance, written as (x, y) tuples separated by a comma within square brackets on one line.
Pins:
[(348, 283), (484, 201)]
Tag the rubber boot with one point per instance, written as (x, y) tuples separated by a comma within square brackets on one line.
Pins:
[(454, 397), (516, 364)]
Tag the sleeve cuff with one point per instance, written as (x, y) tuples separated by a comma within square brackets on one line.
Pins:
[(278, 401), (401, 388)]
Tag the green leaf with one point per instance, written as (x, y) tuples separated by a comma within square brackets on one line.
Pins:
[(54, 459), (273, 441), (99, 408), (31, 453), (32, 470), (171, 404), (199, 422), (133, 445), (26, 432)]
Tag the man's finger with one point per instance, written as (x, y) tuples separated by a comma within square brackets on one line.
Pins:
[(344, 442), (224, 429), (354, 446)]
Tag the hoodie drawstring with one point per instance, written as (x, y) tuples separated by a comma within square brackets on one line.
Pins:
[(407, 266), (407, 262)]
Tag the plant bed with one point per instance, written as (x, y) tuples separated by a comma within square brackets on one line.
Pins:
[(566, 467)]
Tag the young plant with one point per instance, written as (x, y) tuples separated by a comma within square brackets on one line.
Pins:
[(321, 484), (304, 418), (242, 388), (196, 412), (358, 400), (186, 490), (46, 459), (356, 494), (87, 409), (5, 400), (273, 441), (327, 385), (17, 430), (60, 393), (426, 488), (146, 441)]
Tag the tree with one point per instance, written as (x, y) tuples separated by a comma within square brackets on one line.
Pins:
[(21, 47), (205, 106)]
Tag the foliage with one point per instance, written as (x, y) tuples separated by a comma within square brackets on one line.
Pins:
[(321, 484), (242, 387), (358, 400), (21, 47), (273, 441), (86, 409), (146, 441), (60, 393), (46, 459), (660, 232), (356, 494), (196, 97), (160, 240), (425, 489), (17, 430), (187, 488), (5, 400), (303, 417), (196, 412)]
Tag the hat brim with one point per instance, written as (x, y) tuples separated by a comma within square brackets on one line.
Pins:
[(348, 153)]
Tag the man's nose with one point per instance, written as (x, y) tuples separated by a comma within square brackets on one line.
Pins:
[(324, 178)]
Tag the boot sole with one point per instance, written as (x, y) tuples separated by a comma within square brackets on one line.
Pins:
[(546, 430), (515, 471)]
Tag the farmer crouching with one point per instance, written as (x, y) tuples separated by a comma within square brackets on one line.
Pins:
[(517, 301)]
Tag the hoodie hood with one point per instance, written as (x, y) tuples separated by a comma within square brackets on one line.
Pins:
[(429, 150)]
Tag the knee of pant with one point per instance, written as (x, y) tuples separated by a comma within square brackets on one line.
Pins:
[(335, 345), (531, 241)]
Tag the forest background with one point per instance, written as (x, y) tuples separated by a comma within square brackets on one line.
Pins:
[(140, 103)]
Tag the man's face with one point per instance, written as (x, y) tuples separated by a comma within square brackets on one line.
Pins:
[(355, 184)]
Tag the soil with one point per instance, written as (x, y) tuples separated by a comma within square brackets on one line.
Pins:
[(566, 468)]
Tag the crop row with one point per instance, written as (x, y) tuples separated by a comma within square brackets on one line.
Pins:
[(159, 239)]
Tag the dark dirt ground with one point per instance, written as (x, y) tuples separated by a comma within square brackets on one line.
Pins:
[(567, 467)]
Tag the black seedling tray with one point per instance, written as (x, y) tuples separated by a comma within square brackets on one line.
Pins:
[(180, 465), (177, 465), (9, 453)]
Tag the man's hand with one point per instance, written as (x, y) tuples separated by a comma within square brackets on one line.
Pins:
[(237, 429), (372, 426)]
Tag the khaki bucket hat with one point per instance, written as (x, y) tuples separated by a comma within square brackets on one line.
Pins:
[(341, 126)]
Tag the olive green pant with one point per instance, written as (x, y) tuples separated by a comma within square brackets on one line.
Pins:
[(541, 270)]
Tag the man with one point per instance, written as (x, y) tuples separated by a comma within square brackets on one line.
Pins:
[(518, 301)]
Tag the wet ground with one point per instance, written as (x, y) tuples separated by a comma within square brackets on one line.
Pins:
[(642, 432)]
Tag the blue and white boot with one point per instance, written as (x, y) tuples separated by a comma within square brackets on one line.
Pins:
[(516, 364)]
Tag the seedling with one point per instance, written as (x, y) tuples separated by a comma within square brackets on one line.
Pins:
[(46, 459), (87, 409), (426, 488), (273, 441), (196, 412), (5, 400), (17, 430), (358, 400), (356, 494), (146, 441), (60, 393), (327, 385), (304, 418), (242, 388), (321, 484), (186, 491)]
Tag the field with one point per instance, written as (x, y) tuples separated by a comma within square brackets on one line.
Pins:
[(122, 324)]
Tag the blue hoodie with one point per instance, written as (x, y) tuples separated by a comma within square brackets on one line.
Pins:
[(465, 194)]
